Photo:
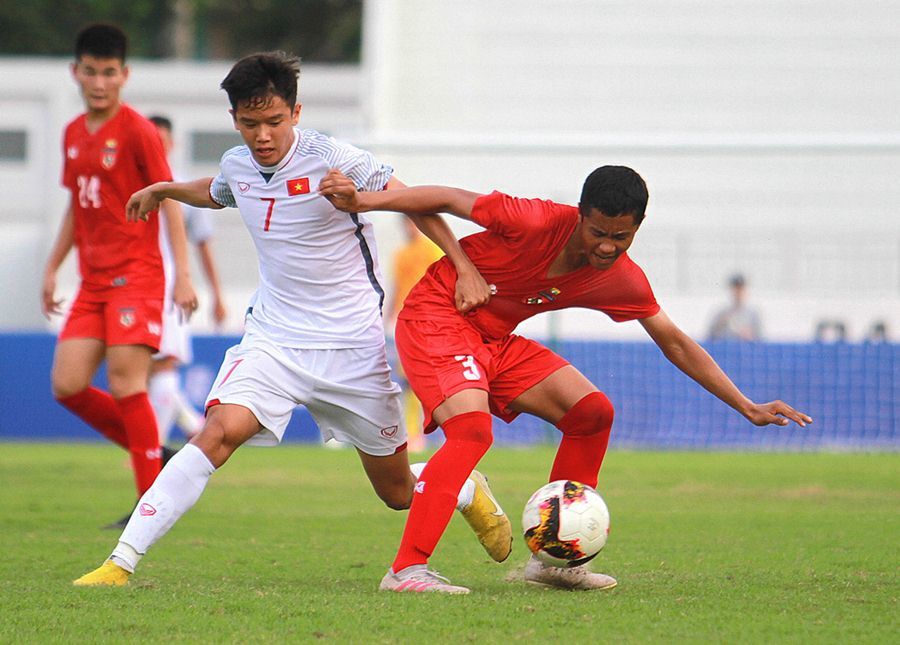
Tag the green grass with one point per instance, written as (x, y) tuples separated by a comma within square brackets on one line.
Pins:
[(289, 545)]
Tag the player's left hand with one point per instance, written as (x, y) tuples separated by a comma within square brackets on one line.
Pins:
[(339, 190), (776, 413), (184, 297)]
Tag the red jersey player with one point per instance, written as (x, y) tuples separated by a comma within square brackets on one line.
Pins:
[(111, 151), (539, 256)]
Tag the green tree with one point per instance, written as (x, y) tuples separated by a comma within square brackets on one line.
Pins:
[(317, 30)]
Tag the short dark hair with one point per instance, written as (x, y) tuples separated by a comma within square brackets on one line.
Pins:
[(614, 191), (161, 121), (101, 40), (256, 78)]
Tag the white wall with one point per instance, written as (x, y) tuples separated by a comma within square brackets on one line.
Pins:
[(768, 133)]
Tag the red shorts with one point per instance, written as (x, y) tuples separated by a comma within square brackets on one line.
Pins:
[(444, 357), (119, 320)]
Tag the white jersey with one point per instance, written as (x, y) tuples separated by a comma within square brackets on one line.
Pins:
[(199, 227), (319, 281), (175, 341)]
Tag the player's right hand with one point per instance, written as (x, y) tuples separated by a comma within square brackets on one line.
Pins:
[(340, 191), (141, 204), (50, 305)]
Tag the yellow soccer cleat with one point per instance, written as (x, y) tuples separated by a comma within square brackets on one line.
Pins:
[(488, 520), (108, 574)]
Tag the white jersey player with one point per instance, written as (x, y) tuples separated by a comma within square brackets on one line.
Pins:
[(314, 334)]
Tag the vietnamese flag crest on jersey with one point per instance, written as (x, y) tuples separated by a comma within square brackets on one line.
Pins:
[(299, 186)]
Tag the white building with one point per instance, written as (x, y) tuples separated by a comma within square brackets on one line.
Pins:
[(768, 133)]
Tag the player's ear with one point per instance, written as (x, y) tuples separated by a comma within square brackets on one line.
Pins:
[(295, 117), (233, 117), (126, 70)]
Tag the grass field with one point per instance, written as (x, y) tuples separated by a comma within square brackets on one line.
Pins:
[(289, 545)]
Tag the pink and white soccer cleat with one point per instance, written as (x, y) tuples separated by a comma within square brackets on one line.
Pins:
[(418, 580)]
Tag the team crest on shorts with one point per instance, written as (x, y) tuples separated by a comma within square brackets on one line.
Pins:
[(545, 295), (126, 317), (390, 432), (110, 148)]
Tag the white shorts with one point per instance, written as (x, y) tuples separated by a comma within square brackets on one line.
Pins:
[(176, 336), (349, 392)]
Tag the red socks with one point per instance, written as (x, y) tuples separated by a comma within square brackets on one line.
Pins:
[(143, 438), (585, 428), (128, 422), (99, 410), (468, 438)]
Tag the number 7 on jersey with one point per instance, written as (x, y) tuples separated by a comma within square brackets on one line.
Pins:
[(271, 208)]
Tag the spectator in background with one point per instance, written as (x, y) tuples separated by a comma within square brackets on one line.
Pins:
[(410, 263), (737, 321), (878, 332), (169, 401), (831, 331)]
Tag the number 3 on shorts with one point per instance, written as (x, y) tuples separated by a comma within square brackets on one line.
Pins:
[(470, 372)]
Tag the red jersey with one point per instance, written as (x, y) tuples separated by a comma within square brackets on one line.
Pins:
[(102, 170), (523, 238)]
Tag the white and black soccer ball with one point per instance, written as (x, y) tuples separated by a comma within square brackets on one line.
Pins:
[(566, 523)]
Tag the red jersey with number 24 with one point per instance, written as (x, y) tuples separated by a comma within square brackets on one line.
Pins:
[(102, 169), (522, 239)]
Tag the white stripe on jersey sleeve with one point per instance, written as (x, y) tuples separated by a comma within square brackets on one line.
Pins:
[(359, 165), (220, 192)]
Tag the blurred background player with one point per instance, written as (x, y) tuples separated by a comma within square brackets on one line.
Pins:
[(110, 151), (166, 395), (538, 256), (737, 321), (314, 334), (410, 262)]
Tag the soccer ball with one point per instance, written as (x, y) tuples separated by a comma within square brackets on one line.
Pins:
[(565, 523)]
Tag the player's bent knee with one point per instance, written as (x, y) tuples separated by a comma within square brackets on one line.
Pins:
[(473, 427), (213, 441), (65, 385), (396, 499), (592, 414)]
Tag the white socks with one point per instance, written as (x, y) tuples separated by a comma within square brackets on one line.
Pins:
[(170, 406), (176, 489), (163, 393), (466, 493)]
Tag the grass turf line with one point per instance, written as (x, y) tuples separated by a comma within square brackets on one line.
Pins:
[(290, 544)]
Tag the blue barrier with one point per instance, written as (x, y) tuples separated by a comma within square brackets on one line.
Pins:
[(850, 390)]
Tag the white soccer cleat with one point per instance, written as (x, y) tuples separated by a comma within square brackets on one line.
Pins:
[(538, 573), (419, 580)]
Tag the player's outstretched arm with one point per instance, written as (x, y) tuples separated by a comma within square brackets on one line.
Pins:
[(418, 200), (693, 360), (420, 204), (147, 200), (472, 290)]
